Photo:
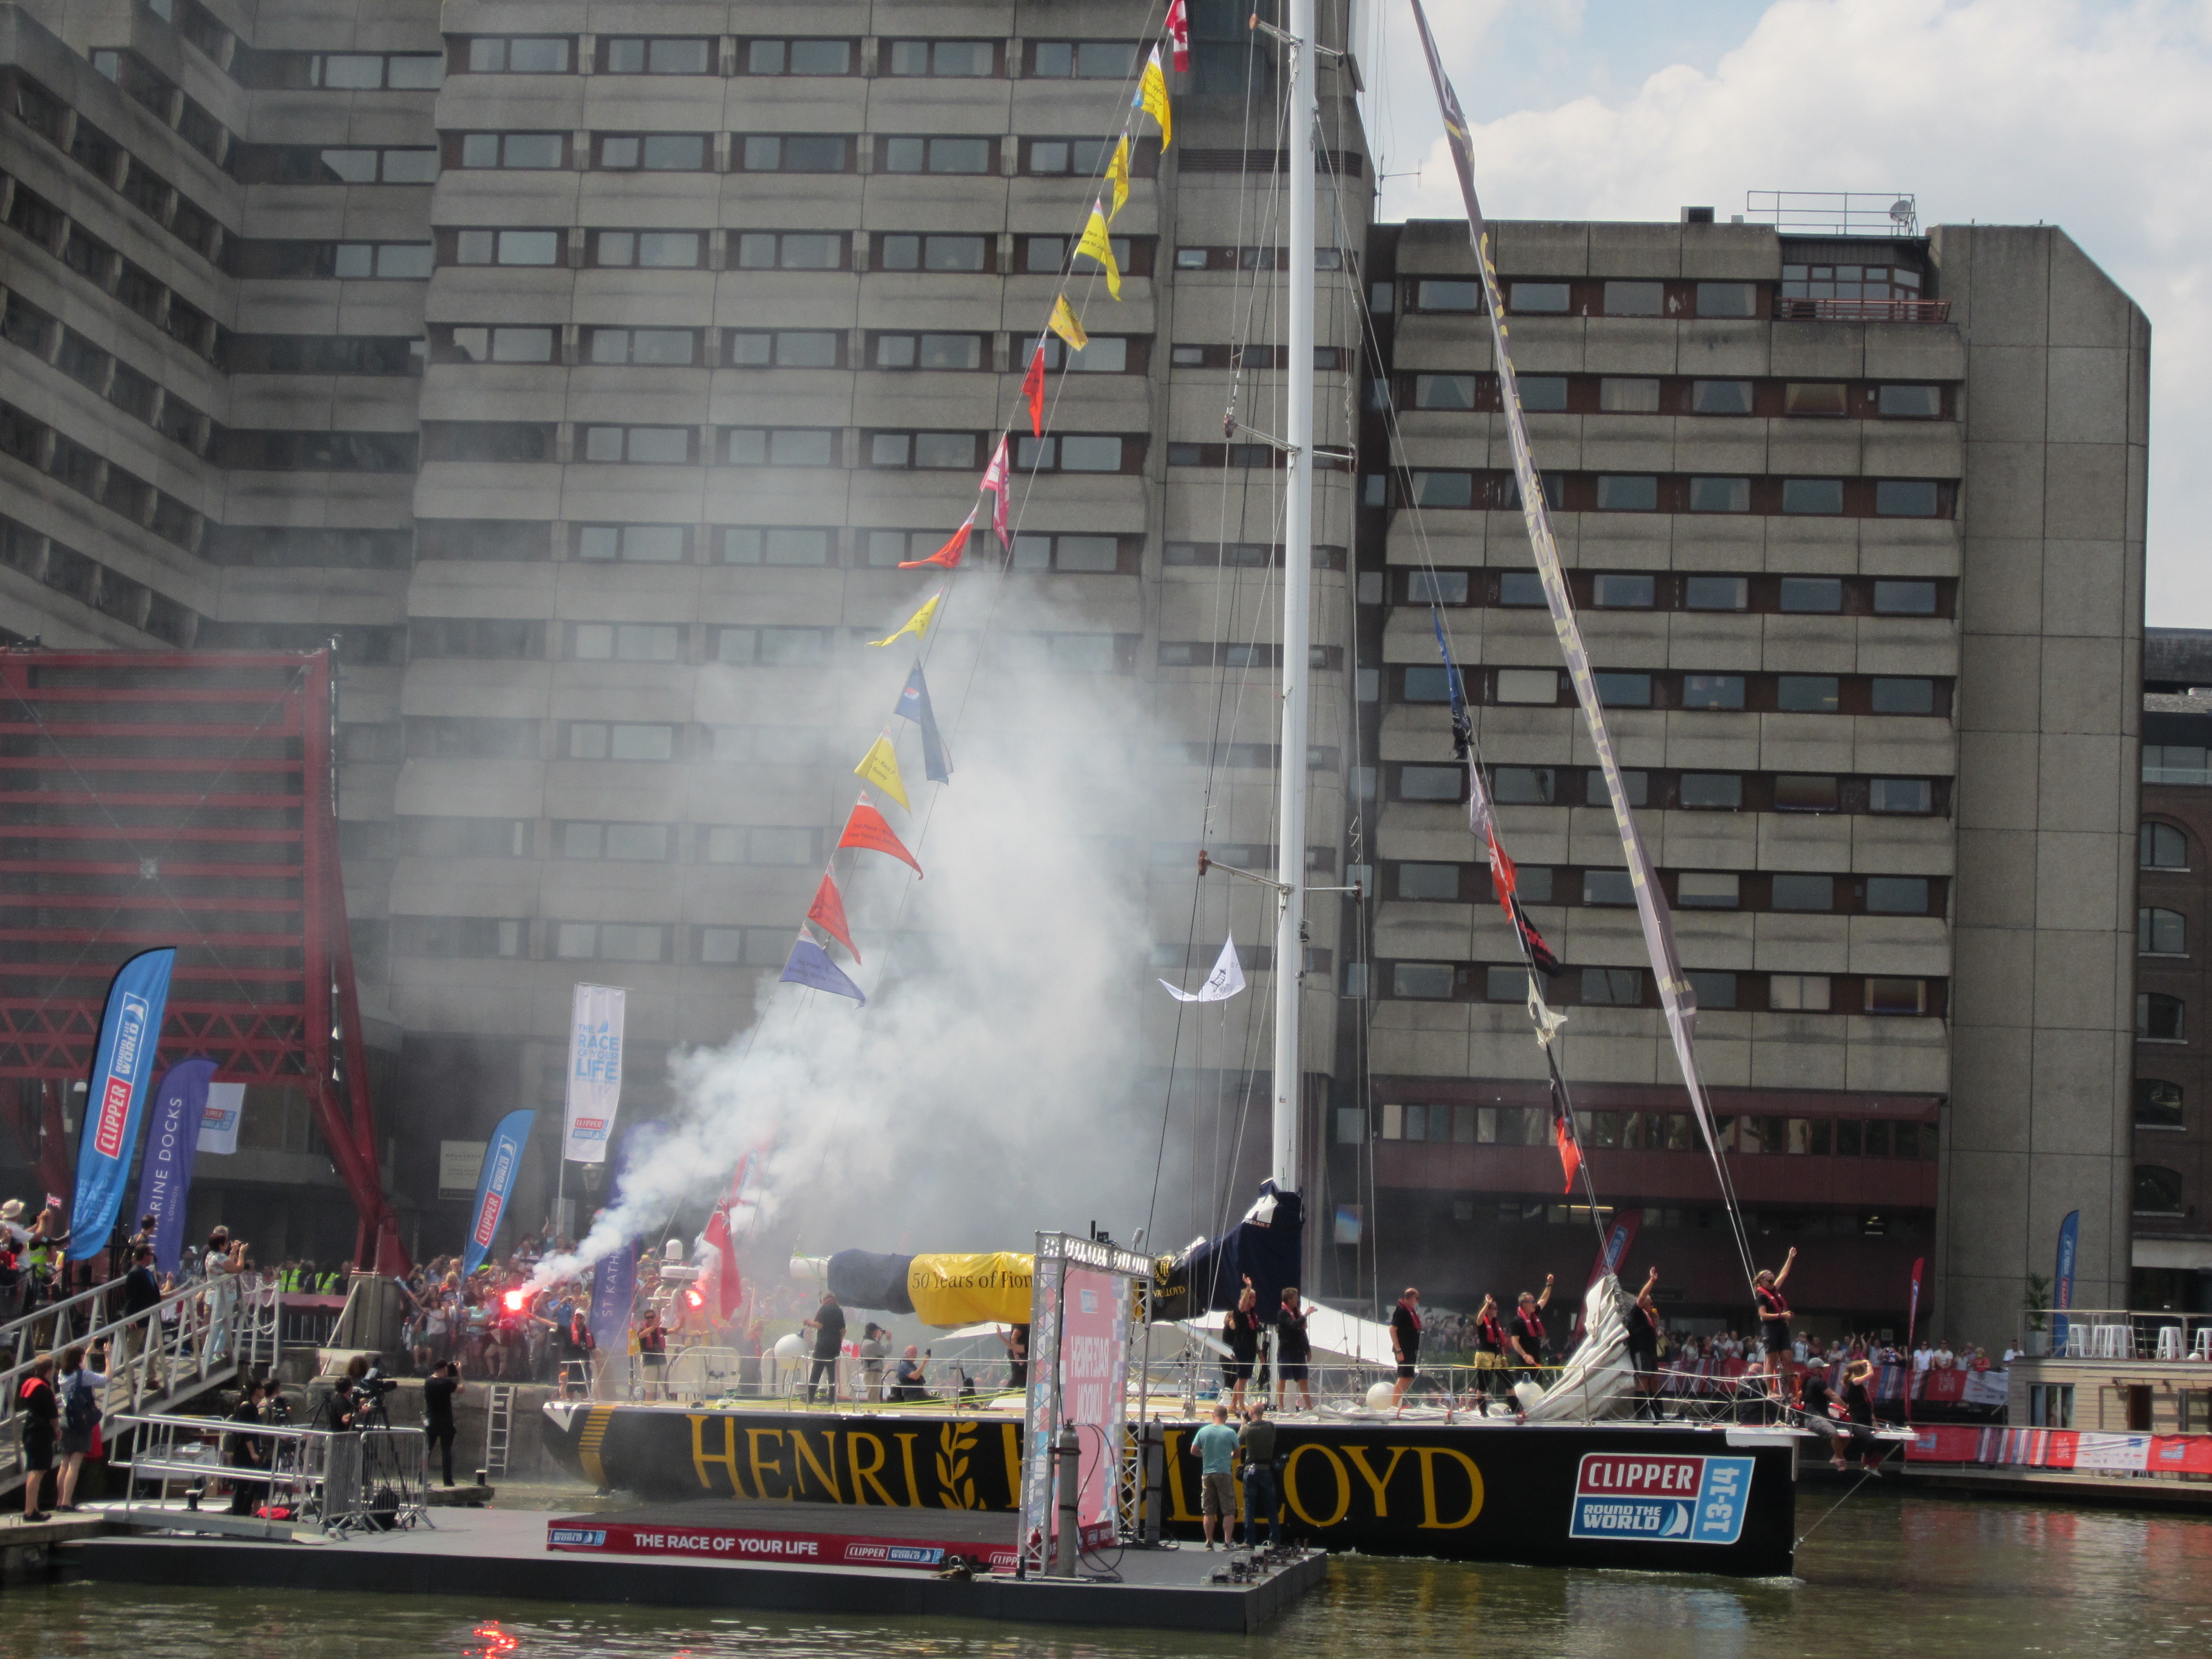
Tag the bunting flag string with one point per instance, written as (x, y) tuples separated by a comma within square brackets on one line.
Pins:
[(1063, 322), (913, 705), (918, 623), (1152, 97), (827, 913), (880, 767), (1099, 245), (1033, 389), (947, 556), (809, 964), (1117, 174), (867, 830), (997, 478)]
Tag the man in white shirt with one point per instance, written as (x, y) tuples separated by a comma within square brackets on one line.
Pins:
[(1945, 1358)]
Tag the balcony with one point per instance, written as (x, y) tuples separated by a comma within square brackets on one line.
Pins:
[(1788, 309)]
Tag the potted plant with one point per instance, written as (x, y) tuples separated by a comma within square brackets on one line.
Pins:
[(2036, 1302)]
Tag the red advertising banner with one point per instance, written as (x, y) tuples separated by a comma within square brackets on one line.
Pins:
[(590, 1534)]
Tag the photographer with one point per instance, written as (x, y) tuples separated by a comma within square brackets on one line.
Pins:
[(248, 1451), (907, 1381), (348, 1405)]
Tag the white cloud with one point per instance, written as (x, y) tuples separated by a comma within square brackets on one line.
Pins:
[(2093, 118)]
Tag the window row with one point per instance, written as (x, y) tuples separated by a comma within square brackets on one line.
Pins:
[(753, 446), (775, 845), (1251, 257), (342, 71), (1686, 890), (946, 252), (106, 375), (748, 55), (483, 938), (1693, 792), (1632, 987), (318, 353), (299, 547), (2177, 763), (818, 545), (298, 449), (106, 160), (1328, 358), (349, 261), (1788, 693), (1238, 653), (162, 99), (1495, 490), (79, 576), (1611, 394), (26, 439), (891, 349), (54, 234), (1616, 297), (1639, 590), (311, 164), (1647, 1132), (1256, 756), (1217, 456)]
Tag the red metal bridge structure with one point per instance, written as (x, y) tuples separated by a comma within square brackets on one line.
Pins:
[(184, 799)]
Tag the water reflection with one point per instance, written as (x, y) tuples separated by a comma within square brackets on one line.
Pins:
[(1940, 1579)]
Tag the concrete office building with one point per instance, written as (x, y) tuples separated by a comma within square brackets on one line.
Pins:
[(585, 369)]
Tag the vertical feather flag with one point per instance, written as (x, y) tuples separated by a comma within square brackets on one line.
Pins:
[(997, 478), (917, 625), (1179, 31), (1097, 244), (880, 766), (948, 556), (1033, 389), (867, 829), (809, 964), (913, 705), (827, 913), (1152, 94), (1117, 174), (1065, 325)]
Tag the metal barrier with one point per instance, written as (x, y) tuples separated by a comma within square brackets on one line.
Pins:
[(340, 1481), (182, 1346)]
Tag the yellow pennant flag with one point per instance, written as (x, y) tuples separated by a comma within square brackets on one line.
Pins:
[(880, 766), (1100, 246), (1064, 324), (917, 625), (1117, 174), (1152, 94)]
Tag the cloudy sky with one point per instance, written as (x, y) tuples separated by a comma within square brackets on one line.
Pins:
[(2096, 117)]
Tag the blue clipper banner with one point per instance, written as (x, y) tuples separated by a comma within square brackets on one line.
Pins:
[(2069, 1241), (502, 1162), (165, 1178), (614, 1280), (115, 1096)]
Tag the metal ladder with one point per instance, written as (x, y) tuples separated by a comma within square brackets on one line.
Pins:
[(499, 1430)]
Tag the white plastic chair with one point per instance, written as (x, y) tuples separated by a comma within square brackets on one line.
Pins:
[(2169, 1342), (2077, 1339)]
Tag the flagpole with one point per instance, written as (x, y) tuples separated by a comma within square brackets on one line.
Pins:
[(1298, 604)]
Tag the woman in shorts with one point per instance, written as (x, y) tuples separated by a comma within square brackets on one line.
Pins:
[(1774, 1313)]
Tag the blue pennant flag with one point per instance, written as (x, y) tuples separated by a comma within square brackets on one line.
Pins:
[(810, 964), (913, 705), (1462, 727)]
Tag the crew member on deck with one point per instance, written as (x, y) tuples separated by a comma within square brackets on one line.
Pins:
[(1643, 1347), (1524, 1337), (1293, 1349), (1489, 1351), (1240, 1329), (1774, 1313), (829, 1328), (1406, 1342)]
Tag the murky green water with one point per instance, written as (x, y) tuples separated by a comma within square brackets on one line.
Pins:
[(1932, 1578)]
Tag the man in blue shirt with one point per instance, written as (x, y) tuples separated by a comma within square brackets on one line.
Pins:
[(1215, 1447)]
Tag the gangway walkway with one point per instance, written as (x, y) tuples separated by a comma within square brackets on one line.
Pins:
[(190, 1341)]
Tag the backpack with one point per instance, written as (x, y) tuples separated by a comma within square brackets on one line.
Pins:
[(79, 1406)]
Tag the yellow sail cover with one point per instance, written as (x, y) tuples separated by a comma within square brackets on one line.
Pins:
[(967, 1290)]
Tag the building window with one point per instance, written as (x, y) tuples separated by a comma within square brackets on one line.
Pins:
[(1619, 690), (535, 151), (1904, 498), (927, 351), (2161, 933), (1900, 795), (1810, 282), (755, 544), (502, 345), (520, 55), (1539, 298), (1085, 158), (1814, 398), (1090, 555), (790, 250), (1454, 392), (652, 250), (1902, 697), (636, 843), (1699, 889), (1727, 300), (781, 446), (1715, 594), (1074, 653), (608, 941), (1539, 686), (1811, 593), (1509, 785), (1607, 887), (1716, 990), (738, 843), (620, 740), (655, 446), (1627, 493), (496, 248), (965, 59), (1720, 397), (955, 155), (1710, 792), (1083, 60), (1903, 896), (1799, 793), (459, 937), (2175, 762), (1812, 496), (797, 58), (1915, 403), (2158, 1191), (662, 347), (1074, 451), (2161, 846), (625, 641), (1447, 293), (923, 451), (1444, 783), (786, 348), (653, 152), (628, 55), (1618, 396), (2050, 1405), (2159, 1017), (1542, 394), (1106, 353), (1792, 891), (1428, 981), (1616, 987), (770, 648), (1713, 691), (778, 152), (748, 947), (1903, 598), (952, 253), (1896, 996), (1806, 694), (357, 71), (1635, 299), (1622, 592), (632, 543), (2158, 1103)]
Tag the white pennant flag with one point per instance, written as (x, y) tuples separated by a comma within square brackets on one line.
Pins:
[(1226, 980)]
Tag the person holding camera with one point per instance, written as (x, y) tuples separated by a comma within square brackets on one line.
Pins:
[(348, 1404), (79, 1398), (908, 1382)]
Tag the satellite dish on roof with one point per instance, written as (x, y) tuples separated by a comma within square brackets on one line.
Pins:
[(1902, 212)]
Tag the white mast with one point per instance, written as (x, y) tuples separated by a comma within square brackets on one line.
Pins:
[(1297, 599)]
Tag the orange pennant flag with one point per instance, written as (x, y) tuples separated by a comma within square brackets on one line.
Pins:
[(1033, 388), (867, 830), (827, 913), (948, 555)]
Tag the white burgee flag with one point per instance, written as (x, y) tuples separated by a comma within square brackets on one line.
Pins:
[(1226, 980)]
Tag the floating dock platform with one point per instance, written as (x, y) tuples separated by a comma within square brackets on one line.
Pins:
[(786, 1557)]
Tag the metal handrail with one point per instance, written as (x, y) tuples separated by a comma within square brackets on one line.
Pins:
[(57, 1314), (345, 1480), (2192, 1344)]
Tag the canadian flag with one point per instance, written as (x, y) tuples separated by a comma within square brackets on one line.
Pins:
[(1179, 31)]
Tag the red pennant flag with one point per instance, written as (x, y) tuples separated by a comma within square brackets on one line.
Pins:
[(1570, 1155), (997, 478), (1503, 878), (1033, 389), (867, 831), (948, 555), (827, 913)]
